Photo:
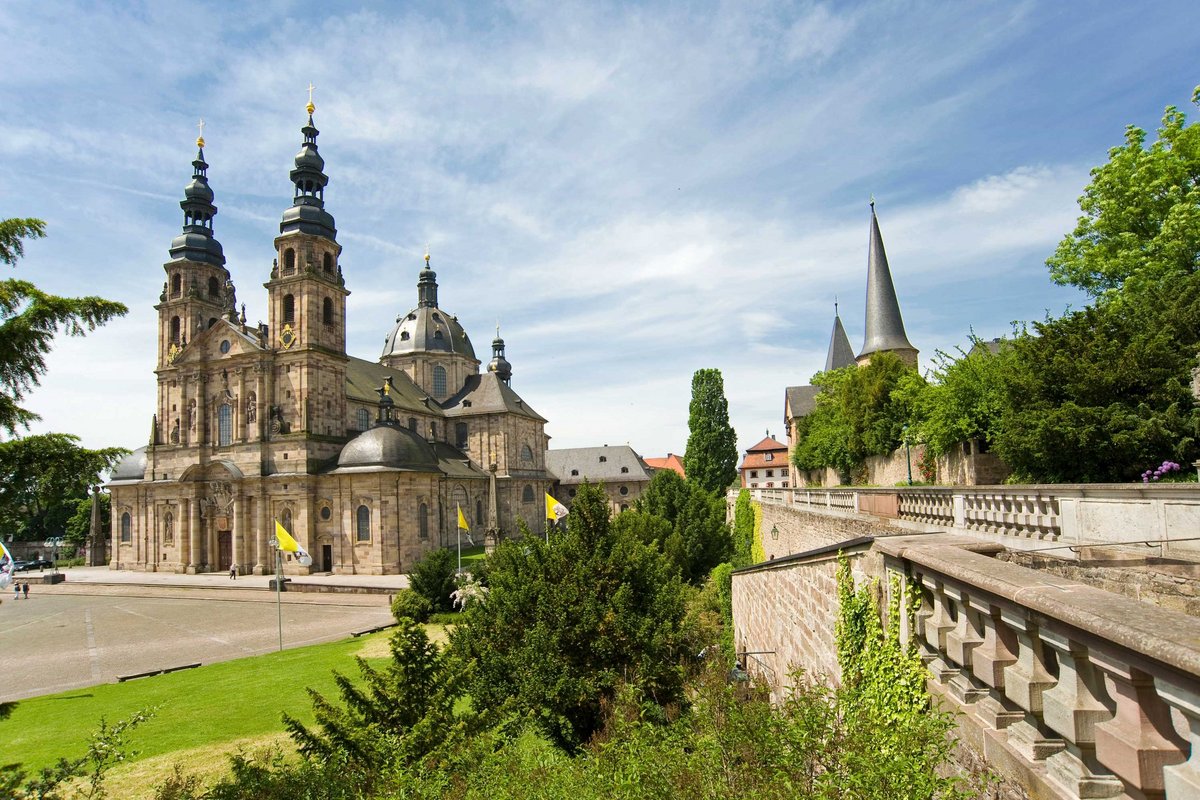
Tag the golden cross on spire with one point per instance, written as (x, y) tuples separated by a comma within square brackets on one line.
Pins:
[(311, 108), (200, 138)]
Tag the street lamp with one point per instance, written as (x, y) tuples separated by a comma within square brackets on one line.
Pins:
[(774, 531)]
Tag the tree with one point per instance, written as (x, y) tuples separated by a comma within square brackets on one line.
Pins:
[(29, 320), (743, 529), (710, 460), (565, 624), (699, 538), (1141, 212), (42, 478), (433, 578)]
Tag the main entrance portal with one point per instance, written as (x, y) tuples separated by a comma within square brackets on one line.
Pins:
[(224, 550)]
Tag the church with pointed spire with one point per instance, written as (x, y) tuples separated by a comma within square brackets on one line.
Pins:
[(365, 462), (884, 333)]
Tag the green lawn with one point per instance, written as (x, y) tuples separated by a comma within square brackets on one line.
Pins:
[(196, 708), (471, 555)]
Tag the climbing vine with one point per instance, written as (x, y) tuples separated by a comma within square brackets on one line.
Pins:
[(758, 554)]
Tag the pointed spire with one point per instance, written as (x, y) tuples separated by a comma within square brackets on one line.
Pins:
[(308, 214), (499, 364), (884, 325), (840, 354), (196, 242)]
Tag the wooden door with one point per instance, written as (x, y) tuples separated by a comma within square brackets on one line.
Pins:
[(224, 549)]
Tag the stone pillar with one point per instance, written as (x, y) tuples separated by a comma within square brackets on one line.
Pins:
[(193, 565), (262, 525), (1139, 740), (1072, 708)]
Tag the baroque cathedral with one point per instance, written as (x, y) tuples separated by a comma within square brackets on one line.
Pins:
[(365, 462)]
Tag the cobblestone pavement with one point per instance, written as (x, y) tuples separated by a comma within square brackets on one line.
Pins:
[(85, 631)]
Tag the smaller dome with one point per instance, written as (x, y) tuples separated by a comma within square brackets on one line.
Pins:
[(389, 446), (427, 329), (309, 158), (132, 467), (196, 246), (198, 190)]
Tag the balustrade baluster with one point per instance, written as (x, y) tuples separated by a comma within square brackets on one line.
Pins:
[(1024, 684), (997, 651), (960, 642), (1139, 740), (1073, 708), (934, 629), (1183, 780)]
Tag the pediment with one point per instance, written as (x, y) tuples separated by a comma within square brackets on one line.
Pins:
[(221, 341)]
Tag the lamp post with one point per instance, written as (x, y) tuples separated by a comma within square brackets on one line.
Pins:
[(774, 531), (907, 453)]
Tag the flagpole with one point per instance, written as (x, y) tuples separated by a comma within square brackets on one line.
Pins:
[(279, 590)]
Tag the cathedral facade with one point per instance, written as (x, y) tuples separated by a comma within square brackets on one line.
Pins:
[(365, 462)]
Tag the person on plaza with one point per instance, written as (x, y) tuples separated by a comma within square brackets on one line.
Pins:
[(16, 591), (233, 572), (25, 589)]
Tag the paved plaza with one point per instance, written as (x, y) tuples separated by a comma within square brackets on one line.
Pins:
[(100, 624)]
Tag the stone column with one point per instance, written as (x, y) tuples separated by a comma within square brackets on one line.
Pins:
[(1072, 708), (237, 536), (193, 565), (262, 525), (1139, 740)]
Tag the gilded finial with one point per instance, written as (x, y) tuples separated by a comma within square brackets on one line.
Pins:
[(427, 255), (311, 108), (497, 329), (200, 138)]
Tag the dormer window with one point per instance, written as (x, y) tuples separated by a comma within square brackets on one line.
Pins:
[(624, 470), (574, 473), (404, 336), (603, 459), (769, 457)]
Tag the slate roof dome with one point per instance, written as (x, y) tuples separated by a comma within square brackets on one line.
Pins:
[(427, 328), (389, 446), (198, 189), (132, 467)]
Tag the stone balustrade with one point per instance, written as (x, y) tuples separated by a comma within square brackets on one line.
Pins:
[(1068, 689), (1025, 517)]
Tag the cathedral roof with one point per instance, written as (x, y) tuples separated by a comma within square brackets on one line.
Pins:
[(766, 445), (800, 400), (388, 447), (595, 464), (363, 376), (485, 394), (130, 468), (841, 354), (884, 325), (427, 329)]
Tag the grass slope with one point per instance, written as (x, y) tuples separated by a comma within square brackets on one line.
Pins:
[(203, 707)]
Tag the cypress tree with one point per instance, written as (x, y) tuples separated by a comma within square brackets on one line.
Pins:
[(711, 457)]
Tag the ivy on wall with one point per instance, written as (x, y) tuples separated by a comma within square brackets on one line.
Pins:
[(757, 553)]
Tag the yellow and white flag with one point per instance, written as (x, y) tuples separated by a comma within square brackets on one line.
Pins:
[(462, 521), (289, 545), (554, 509), (7, 566)]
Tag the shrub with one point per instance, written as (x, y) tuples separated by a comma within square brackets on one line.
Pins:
[(433, 578), (409, 603)]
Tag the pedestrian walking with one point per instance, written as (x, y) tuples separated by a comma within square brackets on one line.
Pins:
[(233, 572), (16, 591), (25, 589)]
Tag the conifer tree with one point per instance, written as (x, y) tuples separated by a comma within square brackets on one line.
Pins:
[(711, 457)]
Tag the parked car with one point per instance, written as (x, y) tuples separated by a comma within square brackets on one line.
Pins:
[(32, 564)]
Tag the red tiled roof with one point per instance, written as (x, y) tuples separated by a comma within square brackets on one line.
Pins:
[(671, 462), (767, 444), (759, 461)]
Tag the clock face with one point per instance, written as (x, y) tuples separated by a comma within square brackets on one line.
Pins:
[(287, 337)]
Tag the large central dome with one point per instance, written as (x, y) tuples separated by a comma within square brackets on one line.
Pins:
[(427, 329)]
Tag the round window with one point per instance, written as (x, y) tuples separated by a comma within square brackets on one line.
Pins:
[(326, 513), (224, 345), (624, 490)]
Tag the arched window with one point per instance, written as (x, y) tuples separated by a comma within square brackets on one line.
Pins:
[(423, 521), (169, 528), (327, 311), (526, 453), (478, 512), (461, 431), (225, 425), (527, 495), (289, 309), (176, 284), (214, 287), (289, 261), (404, 337), (126, 527), (362, 419), (175, 330), (412, 424), (362, 526), (439, 382), (285, 519), (329, 263)]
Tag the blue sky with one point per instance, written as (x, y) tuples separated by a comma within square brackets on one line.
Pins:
[(634, 191)]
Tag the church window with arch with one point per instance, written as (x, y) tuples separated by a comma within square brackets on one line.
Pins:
[(423, 521), (289, 309), (526, 453), (362, 526), (214, 287), (225, 425), (362, 418), (527, 494), (439, 382), (126, 527), (174, 330), (176, 284), (289, 261), (327, 311), (328, 263)]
